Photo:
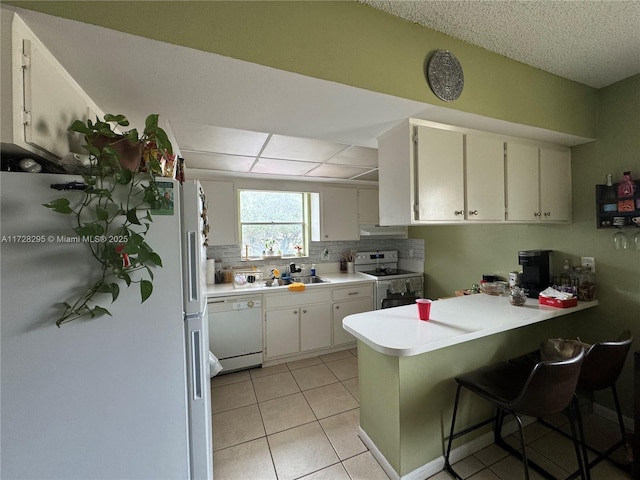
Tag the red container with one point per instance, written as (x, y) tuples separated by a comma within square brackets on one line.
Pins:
[(556, 302)]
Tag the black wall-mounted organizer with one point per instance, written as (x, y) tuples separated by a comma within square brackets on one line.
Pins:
[(614, 212)]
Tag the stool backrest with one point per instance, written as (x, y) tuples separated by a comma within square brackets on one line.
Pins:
[(550, 386), (603, 363)]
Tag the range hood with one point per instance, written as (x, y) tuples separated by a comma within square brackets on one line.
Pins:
[(382, 231)]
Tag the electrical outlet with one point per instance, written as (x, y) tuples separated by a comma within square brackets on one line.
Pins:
[(589, 262)]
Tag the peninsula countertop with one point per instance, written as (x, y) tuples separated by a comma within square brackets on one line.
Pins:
[(399, 332)]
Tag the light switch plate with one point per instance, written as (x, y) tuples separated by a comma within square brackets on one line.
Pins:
[(588, 262)]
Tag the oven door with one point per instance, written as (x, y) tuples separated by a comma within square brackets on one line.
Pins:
[(397, 291)]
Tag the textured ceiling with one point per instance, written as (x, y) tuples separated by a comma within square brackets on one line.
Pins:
[(596, 43)]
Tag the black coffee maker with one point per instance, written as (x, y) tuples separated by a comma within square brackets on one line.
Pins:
[(536, 275)]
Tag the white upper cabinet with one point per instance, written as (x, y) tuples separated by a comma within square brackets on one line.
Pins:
[(484, 175), (368, 210), (432, 173), (555, 185), (538, 183), (40, 99), (440, 174), (222, 210), (339, 214)]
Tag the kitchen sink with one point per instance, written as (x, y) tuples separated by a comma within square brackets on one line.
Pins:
[(306, 279)]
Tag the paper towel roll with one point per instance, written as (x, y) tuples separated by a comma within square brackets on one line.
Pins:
[(211, 271)]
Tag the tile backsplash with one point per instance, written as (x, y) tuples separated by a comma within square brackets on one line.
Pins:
[(232, 255)]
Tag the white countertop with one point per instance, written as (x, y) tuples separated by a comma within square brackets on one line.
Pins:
[(398, 331), (335, 279)]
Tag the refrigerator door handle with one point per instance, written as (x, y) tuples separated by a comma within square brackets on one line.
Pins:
[(193, 278), (196, 364)]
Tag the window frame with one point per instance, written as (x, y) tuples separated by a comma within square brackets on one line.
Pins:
[(306, 223)]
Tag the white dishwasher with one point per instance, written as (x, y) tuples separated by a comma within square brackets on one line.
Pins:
[(235, 331)]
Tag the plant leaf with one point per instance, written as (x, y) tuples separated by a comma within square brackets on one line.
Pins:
[(80, 127), (132, 217), (101, 214), (124, 177), (119, 119), (98, 310), (155, 258), (60, 205), (112, 288), (89, 230), (146, 289)]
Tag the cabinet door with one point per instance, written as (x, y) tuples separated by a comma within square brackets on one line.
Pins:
[(555, 185), (440, 174), (368, 206), (222, 211), (339, 213), (343, 309), (485, 178), (315, 327), (282, 332), (523, 191)]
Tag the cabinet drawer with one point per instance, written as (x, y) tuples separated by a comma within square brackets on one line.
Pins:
[(293, 299), (353, 292)]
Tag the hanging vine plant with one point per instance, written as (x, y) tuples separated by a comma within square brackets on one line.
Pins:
[(114, 214)]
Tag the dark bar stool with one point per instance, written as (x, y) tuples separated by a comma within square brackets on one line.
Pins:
[(514, 388), (601, 368)]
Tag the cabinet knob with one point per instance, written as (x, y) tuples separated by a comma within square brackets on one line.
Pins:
[(337, 307), (547, 214), (295, 312), (537, 214), (473, 212), (459, 212), (304, 311)]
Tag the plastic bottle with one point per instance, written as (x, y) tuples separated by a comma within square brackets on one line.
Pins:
[(313, 269), (626, 188)]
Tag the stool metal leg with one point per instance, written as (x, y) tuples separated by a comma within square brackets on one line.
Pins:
[(447, 465)]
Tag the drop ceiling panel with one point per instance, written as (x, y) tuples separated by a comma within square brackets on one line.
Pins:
[(282, 167), (337, 171), (209, 138), (369, 177), (217, 161), (360, 156), (302, 149)]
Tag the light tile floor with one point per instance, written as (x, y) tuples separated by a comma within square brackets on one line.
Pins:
[(299, 420)]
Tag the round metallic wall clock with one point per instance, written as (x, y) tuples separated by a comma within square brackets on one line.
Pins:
[(445, 77)]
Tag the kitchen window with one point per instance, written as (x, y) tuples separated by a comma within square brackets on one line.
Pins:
[(274, 220)]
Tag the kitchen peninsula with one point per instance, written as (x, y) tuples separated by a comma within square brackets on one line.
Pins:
[(406, 369)]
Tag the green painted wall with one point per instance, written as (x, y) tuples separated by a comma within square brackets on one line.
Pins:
[(457, 256), (349, 43)]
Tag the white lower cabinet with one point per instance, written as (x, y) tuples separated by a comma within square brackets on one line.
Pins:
[(296, 322), (282, 332), (348, 301), (311, 321), (315, 328)]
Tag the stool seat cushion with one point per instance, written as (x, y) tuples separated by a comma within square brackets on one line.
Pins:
[(539, 390)]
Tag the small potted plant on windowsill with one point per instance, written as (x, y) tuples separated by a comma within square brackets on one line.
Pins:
[(269, 251), (298, 250)]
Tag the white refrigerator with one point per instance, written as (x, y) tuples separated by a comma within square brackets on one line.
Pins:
[(115, 397)]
